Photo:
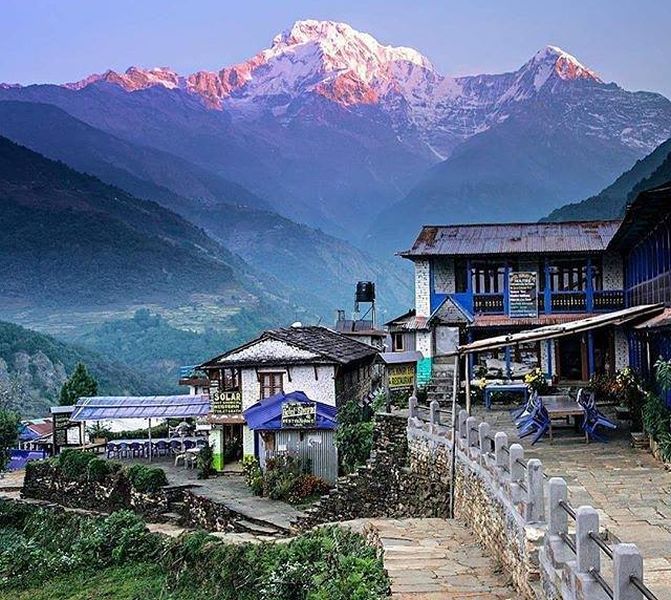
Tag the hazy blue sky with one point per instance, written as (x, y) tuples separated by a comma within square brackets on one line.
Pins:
[(64, 40)]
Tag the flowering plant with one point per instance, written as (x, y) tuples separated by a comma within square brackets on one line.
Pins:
[(537, 381)]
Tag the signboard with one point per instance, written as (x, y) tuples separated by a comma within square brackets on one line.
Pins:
[(299, 414), (225, 402), (401, 376), (523, 294), (61, 420)]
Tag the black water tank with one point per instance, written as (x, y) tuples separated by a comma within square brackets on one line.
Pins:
[(365, 291)]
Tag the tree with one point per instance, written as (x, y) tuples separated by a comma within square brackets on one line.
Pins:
[(9, 435), (79, 384)]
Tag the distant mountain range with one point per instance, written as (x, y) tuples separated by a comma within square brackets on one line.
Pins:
[(365, 141), (319, 271), (647, 173)]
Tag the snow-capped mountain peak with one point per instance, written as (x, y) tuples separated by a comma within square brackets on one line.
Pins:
[(133, 79), (553, 60)]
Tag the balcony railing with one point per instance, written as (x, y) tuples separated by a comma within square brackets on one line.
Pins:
[(488, 304), (559, 302), (606, 300)]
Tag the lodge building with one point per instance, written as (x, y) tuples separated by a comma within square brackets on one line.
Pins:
[(479, 281), (328, 368)]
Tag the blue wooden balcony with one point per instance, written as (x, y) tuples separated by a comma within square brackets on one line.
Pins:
[(548, 302)]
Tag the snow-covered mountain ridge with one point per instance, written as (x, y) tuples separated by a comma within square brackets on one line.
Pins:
[(434, 112)]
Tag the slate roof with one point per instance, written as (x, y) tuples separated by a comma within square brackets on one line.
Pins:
[(324, 341), (512, 238), (360, 327), (319, 345)]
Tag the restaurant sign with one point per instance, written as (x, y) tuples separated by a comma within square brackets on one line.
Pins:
[(401, 376), (299, 414), (523, 294), (61, 426), (225, 402)]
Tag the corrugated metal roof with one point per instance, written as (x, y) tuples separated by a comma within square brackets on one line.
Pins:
[(540, 320), (98, 408), (618, 317), (395, 358), (658, 321), (649, 209), (513, 238)]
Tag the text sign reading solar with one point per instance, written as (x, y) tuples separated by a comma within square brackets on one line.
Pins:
[(225, 402), (299, 414), (523, 294)]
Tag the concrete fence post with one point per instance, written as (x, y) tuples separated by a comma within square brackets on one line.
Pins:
[(472, 432), (483, 438), (627, 561), (588, 554), (412, 406), (463, 415), (434, 414), (535, 505), (500, 455), (516, 456), (557, 517)]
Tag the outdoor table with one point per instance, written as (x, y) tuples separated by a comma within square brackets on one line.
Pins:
[(491, 388), (563, 407)]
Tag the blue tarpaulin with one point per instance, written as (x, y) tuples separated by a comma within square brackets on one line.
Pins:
[(99, 408), (19, 458), (266, 415)]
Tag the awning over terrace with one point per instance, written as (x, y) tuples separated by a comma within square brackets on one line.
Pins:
[(99, 408), (547, 332)]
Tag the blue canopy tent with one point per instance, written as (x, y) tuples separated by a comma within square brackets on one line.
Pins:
[(100, 408), (267, 414)]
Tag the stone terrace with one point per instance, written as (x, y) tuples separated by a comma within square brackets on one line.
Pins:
[(629, 487), (435, 559)]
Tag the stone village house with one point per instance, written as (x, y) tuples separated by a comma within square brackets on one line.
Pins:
[(479, 281), (328, 367)]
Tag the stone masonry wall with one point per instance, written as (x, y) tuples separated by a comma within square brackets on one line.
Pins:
[(45, 482), (386, 486)]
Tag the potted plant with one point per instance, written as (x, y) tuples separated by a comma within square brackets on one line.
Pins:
[(537, 381), (98, 433)]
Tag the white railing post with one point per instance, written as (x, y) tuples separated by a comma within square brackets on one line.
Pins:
[(500, 455), (434, 414), (463, 415), (588, 554), (483, 438), (535, 505), (516, 458), (412, 407), (627, 562), (557, 517), (472, 432)]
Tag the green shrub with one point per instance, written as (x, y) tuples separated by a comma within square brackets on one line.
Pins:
[(146, 479), (205, 458), (253, 474), (99, 470), (73, 464)]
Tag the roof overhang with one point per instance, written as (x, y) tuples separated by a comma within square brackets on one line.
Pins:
[(619, 317)]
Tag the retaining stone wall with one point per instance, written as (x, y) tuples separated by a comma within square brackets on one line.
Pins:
[(45, 482)]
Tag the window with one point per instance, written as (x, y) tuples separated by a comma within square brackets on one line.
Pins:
[(571, 276), (271, 384), (488, 277), (397, 342)]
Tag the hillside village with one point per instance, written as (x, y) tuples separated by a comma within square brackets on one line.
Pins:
[(441, 381)]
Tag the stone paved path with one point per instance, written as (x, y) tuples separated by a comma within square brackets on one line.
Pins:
[(629, 487), (436, 559)]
